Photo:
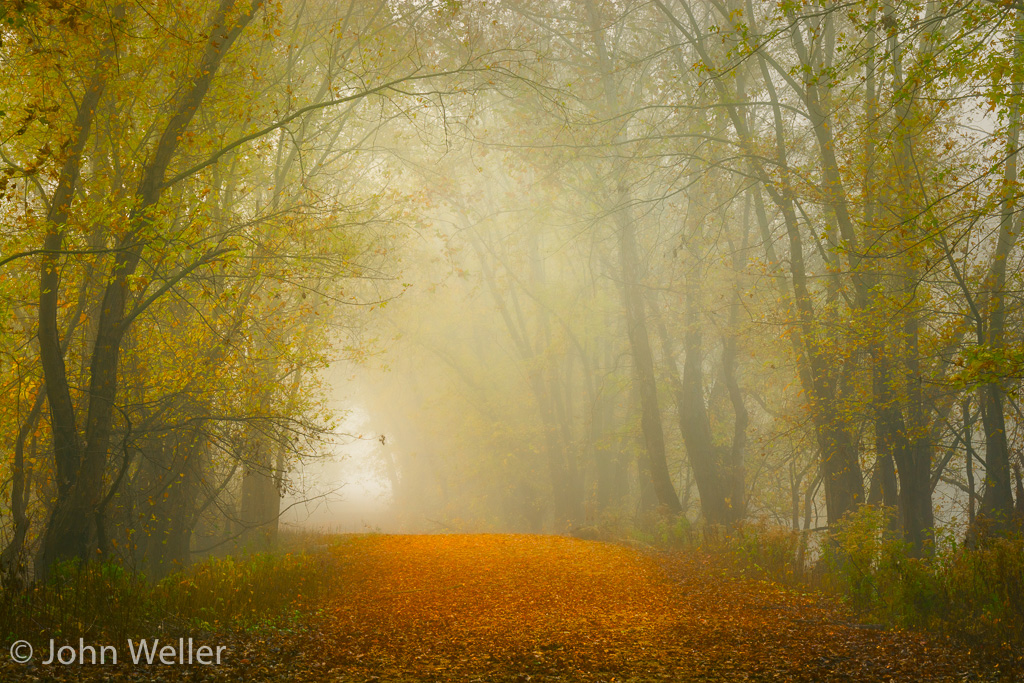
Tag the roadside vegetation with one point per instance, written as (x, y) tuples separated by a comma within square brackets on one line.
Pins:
[(972, 593), (239, 596)]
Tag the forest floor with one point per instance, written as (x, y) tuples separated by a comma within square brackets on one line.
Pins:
[(548, 608)]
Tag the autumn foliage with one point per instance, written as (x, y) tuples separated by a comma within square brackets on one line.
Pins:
[(553, 608), (521, 608)]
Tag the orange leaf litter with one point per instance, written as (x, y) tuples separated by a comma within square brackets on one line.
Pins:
[(508, 607)]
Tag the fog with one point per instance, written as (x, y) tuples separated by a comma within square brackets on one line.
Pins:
[(343, 491), (595, 268)]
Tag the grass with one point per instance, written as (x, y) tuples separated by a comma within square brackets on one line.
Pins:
[(104, 601), (973, 593)]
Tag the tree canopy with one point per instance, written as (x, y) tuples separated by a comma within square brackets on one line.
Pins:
[(591, 263)]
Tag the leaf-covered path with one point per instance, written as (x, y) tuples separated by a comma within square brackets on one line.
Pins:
[(489, 607), (548, 608)]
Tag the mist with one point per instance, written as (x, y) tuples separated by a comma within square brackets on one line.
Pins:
[(590, 268), (508, 340)]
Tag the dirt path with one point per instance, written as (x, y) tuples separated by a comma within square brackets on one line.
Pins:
[(488, 607)]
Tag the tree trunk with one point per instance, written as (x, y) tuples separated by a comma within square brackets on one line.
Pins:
[(633, 298), (12, 566), (997, 501), (261, 500), (844, 486), (71, 529)]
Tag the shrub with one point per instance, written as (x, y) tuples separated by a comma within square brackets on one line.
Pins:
[(770, 550), (80, 600), (244, 593), (867, 561), (975, 593), (983, 590), (666, 531), (93, 600)]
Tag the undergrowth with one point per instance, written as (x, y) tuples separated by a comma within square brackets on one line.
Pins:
[(974, 593), (97, 601)]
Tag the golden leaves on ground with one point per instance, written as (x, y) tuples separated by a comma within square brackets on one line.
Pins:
[(549, 608), (492, 607), (477, 604)]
